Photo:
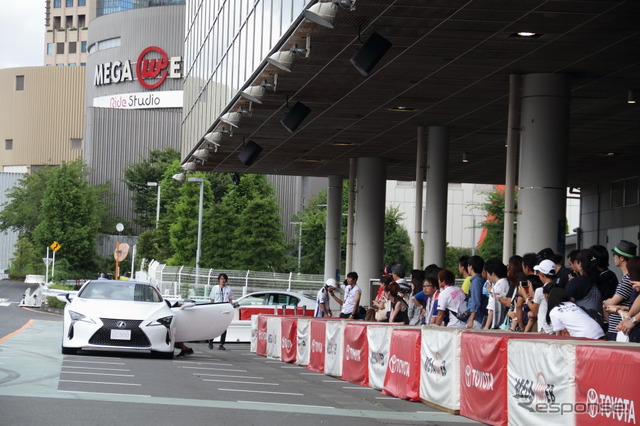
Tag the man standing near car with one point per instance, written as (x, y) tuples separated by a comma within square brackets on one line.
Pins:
[(351, 301), (322, 299), (221, 293)]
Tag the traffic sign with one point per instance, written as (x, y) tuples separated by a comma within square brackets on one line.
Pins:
[(55, 246), (47, 260)]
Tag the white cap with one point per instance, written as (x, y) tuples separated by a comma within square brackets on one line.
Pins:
[(331, 283), (547, 267)]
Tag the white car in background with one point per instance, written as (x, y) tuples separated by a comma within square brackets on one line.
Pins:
[(279, 302), (128, 315)]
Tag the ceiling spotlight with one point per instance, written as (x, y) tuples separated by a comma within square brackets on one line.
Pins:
[(631, 96), (233, 118), (202, 154), (325, 12), (213, 137), (180, 177), (464, 157), (370, 53), (256, 93), (284, 59), (190, 166)]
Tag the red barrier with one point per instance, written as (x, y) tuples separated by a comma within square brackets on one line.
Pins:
[(483, 374), (289, 338), (261, 345), (355, 366), (246, 312), (402, 378), (316, 355), (606, 385)]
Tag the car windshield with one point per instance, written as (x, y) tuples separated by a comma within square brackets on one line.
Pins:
[(124, 290)]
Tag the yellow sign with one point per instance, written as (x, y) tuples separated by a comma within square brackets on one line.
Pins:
[(55, 246)]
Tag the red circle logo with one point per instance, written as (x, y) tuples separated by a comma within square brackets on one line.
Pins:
[(152, 69)]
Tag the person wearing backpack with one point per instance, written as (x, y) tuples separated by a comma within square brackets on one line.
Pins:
[(568, 319)]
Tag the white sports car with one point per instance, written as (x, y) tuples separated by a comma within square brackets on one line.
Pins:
[(129, 315), (279, 302)]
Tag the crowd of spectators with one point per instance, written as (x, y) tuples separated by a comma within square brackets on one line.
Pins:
[(534, 292)]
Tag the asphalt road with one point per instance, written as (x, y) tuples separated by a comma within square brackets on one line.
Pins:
[(40, 386)]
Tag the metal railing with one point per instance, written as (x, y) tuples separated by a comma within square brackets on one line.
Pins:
[(188, 282)]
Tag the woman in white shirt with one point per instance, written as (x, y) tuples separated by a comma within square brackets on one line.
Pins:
[(568, 319)]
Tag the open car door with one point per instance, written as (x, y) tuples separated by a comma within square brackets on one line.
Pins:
[(201, 321)]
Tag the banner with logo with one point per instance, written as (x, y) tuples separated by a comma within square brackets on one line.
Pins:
[(355, 366), (289, 336), (379, 340), (261, 344), (254, 333), (607, 385), (273, 337), (333, 348), (402, 378), (317, 349), (304, 341), (483, 377), (440, 366), (541, 380)]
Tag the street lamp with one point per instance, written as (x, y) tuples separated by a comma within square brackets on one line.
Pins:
[(152, 184), (299, 242), (201, 181)]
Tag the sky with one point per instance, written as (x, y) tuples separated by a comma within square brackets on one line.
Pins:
[(21, 33)]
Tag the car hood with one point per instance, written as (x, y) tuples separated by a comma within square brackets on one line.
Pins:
[(120, 309)]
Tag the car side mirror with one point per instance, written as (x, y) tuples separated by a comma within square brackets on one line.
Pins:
[(64, 297), (188, 304), (235, 304)]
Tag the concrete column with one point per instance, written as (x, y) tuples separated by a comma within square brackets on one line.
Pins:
[(437, 186), (417, 235), (351, 206), (334, 222), (543, 162), (369, 222), (513, 132)]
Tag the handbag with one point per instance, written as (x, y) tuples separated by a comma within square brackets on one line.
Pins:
[(621, 337), (381, 314)]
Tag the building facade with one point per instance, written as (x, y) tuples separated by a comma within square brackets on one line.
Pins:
[(67, 31)]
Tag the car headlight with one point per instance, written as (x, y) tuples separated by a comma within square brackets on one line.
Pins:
[(76, 316), (166, 321)]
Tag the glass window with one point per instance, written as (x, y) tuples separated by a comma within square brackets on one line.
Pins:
[(83, 64), (60, 48), (83, 47), (8, 144), (72, 47), (57, 3), (19, 82), (72, 64), (82, 2), (49, 48), (69, 3)]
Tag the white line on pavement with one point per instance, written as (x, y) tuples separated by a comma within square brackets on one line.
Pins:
[(256, 391), (237, 382), (101, 383)]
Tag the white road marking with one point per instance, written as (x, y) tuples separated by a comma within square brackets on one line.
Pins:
[(273, 362), (311, 374), (256, 391), (288, 405), (386, 397), (201, 363), (93, 362), (98, 374), (290, 366), (106, 393), (102, 383), (213, 369), (96, 368), (218, 375), (237, 382), (357, 387)]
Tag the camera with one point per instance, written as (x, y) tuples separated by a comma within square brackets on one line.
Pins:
[(524, 284)]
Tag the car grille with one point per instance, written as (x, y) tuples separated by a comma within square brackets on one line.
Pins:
[(103, 335)]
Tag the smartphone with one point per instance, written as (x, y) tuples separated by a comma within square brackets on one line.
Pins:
[(524, 284)]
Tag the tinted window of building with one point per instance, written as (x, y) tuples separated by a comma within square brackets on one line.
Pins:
[(83, 47), (82, 2), (59, 48), (69, 3), (19, 82), (49, 48), (8, 144), (72, 47), (57, 3)]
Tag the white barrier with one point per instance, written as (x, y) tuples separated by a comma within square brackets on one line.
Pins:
[(379, 340), (254, 333), (334, 348), (440, 366), (273, 337), (33, 300), (304, 341)]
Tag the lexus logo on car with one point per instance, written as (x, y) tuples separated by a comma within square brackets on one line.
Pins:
[(121, 324)]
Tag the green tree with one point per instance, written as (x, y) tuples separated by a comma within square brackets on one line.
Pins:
[(21, 212), (493, 224), (71, 215), (397, 244), (136, 176), (25, 258)]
